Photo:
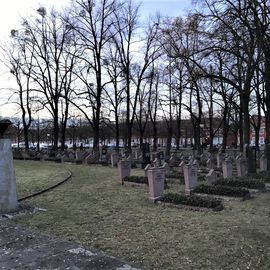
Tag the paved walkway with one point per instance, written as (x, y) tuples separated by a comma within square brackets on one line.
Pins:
[(23, 248)]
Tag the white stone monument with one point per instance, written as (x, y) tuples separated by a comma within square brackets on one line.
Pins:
[(8, 194)]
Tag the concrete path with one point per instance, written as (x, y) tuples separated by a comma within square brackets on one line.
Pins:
[(23, 248)]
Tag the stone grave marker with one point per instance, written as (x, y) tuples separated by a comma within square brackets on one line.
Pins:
[(91, 158), (156, 162), (191, 178), (65, 157), (241, 166), (181, 165), (211, 177), (190, 159), (147, 167), (156, 181), (196, 163), (122, 152), (114, 159), (209, 163), (71, 156), (58, 158), (263, 163), (220, 159), (153, 156), (38, 155), (79, 156), (227, 168), (181, 156), (239, 156), (45, 156), (124, 168), (137, 154)]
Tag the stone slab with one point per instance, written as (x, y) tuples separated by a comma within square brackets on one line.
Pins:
[(23, 248)]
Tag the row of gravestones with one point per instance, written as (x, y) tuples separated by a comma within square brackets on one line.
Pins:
[(156, 177), (207, 158), (156, 173)]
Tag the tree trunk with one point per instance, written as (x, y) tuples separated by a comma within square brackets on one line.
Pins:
[(26, 137), (55, 131), (117, 131), (246, 119), (225, 129), (96, 136), (154, 136), (168, 143)]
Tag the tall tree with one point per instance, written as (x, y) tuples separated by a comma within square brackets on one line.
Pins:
[(47, 39), (92, 21), (20, 63), (126, 23)]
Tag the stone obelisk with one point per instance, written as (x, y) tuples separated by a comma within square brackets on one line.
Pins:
[(8, 194)]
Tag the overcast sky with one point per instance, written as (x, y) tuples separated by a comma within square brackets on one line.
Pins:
[(12, 11)]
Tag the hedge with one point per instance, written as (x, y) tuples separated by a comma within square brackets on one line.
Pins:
[(246, 183), (222, 190), (192, 200), (136, 179)]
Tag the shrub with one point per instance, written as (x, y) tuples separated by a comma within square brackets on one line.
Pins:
[(136, 179), (193, 200), (222, 190), (246, 183)]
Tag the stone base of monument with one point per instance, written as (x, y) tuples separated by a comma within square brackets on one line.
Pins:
[(8, 194)]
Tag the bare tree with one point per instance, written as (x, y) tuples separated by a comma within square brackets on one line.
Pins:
[(92, 21), (126, 24), (46, 38), (20, 63)]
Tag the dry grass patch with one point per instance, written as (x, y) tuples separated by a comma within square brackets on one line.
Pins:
[(94, 209), (34, 176)]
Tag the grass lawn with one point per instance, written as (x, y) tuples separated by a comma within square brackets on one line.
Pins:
[(94, 209), (36, 176)]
